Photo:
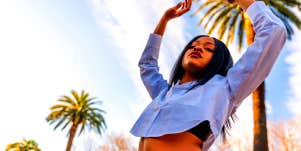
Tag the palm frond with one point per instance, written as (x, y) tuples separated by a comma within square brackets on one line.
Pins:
[(84, 96), (55, 114), (67, 123), (75, 95), (83, 125), (97, 110), (291, 3), (63, 119), (222, 29), (286, 23), (220, 16), (212, 15), (241, 32), (201, 7), (68, 100), (232, 28), (58, 107), (92, 101), (282, 9), (212, 9)]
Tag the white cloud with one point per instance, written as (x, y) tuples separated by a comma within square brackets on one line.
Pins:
[(129, 23), (268, 106), (294, 61), (294, 103)]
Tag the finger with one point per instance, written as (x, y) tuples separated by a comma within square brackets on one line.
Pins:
[(231, 1), (187, 6), (181, 12), (178, 5), (183, 5), (189, 3)]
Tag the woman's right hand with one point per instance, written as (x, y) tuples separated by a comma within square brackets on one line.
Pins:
[(178, 10)]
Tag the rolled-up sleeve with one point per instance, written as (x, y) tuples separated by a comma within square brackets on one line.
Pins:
[(255, 64), (149, 70)]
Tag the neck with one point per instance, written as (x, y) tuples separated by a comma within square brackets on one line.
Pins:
[(187, 77)]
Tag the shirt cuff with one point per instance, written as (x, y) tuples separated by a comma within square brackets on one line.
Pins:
[(255, 9), (154, 40), (151, 51)]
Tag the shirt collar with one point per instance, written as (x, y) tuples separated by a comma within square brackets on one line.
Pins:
[(184, 85)]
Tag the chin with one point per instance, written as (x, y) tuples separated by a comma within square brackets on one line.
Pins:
[(193, 68)]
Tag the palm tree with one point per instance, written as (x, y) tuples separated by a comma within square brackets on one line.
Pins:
[(76, 111), (25, 145), (228, 20)]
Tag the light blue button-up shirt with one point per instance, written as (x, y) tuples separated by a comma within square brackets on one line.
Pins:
[(175, 110)]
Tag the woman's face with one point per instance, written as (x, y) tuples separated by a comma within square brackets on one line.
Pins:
[(198, 56)]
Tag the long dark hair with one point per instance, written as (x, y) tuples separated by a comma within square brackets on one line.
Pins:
[(220, 63)]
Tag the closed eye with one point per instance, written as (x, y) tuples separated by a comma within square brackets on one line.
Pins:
[(208, 49), (191, 47)]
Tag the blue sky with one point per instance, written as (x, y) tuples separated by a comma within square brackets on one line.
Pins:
[(49, 47)]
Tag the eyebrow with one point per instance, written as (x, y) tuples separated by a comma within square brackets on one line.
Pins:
[(197, 41)]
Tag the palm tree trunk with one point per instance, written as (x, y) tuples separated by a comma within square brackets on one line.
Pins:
[(71, 136), (249, 29), (260, 142), (260, 139)]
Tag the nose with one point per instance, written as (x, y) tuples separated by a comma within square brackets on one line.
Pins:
[(198, 49)]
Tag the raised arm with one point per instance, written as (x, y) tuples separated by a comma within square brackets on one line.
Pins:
[(148, 63), (255, 64)]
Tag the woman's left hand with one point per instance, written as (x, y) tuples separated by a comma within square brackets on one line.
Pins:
[(172, 13)]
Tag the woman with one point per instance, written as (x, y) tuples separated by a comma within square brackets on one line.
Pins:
[(205, 89)]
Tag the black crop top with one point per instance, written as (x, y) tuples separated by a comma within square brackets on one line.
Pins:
[(201, 131)]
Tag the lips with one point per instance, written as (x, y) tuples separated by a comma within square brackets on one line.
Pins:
[(195, 54)]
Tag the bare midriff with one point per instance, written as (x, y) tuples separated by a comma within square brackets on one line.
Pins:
[(184, 141)]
